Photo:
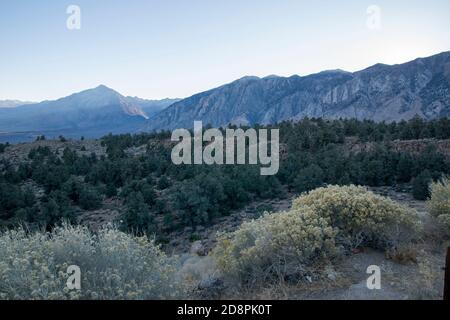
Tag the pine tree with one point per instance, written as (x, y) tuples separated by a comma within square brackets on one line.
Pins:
[(137, 217), (421, 185), (309, 178)]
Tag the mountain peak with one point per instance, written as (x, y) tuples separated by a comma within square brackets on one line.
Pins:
[(103, 87), (333, 71), (271, 76), (248, 78)]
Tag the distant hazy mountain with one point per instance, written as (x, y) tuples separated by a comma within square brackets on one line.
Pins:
[(381, 93), (92, 112), (13, 103)]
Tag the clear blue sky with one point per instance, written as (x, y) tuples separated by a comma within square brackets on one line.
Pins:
[(158, 49)]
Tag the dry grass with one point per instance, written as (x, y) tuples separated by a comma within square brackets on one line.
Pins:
[(403, 254)]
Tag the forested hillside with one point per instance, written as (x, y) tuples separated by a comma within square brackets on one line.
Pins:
[(130, 179)]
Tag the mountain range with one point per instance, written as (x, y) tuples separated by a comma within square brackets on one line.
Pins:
[(90, 113), (13, 103), (380, 93)]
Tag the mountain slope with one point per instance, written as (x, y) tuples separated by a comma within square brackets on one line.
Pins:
[(91, 112), (381, 93), (151, 107), (13, 103)]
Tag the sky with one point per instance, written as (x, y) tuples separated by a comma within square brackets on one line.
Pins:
[(176, 48)]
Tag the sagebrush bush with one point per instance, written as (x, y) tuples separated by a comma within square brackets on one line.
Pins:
[(322, 225), (114, 265), (439, 202), (276, 245), (362, 217)]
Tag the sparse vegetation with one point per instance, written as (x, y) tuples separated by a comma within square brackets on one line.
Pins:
[(439, 203), (424, 285), (322, 225)]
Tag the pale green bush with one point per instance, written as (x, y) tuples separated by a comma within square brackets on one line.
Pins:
[(114, 265), (439, 203), (276, 245), (322, 225), (362, 217)]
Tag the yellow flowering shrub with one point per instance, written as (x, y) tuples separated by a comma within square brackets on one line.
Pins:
[(362, 217), (113, 265), (439, 203), (322, 225), (281, 245)]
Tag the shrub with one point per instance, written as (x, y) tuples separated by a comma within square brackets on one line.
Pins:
[(137, 217), (263, 209), (54, 210), (284, 245), (40, 138), (194, 237), (163, 183), (421, 184), (2, 147), (426, 285), (403, 253), (439, 203), (362, 218), (309, 178), (113, 265), (322, 225), (82, 194), (90, 199)]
